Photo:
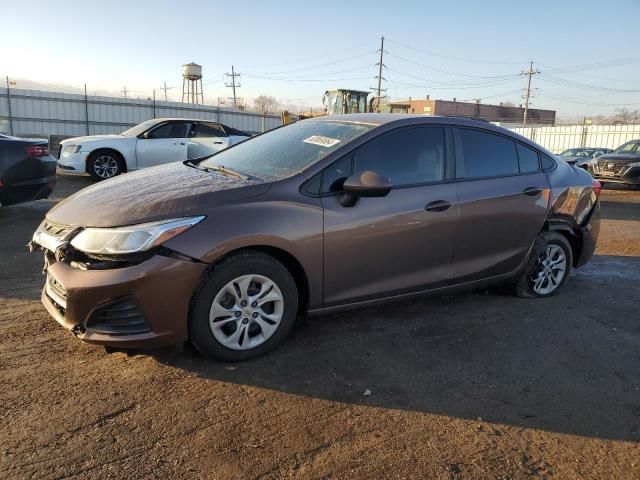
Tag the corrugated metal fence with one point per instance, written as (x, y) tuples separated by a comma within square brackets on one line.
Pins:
[(42, 113), (562, 137)]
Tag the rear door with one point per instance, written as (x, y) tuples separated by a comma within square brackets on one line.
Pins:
[(163, 144), (399, 243), (207, 138), (503, 196)]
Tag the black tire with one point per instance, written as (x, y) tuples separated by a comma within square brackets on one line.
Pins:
[(104, 164), (237, 265), (523, 286)]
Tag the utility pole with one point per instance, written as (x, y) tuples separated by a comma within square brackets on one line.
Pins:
[(165, 91), (379, 90), (124, 91), (233, 84), (530, 73)]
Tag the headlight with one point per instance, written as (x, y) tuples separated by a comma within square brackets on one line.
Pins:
[(72, 148), (131, 239)]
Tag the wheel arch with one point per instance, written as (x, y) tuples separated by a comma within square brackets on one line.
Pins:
[(570, 231), (290, 262)]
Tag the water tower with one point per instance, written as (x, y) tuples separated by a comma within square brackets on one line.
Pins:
[(191, 76)]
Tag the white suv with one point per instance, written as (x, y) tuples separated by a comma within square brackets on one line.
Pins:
[(154, 142)]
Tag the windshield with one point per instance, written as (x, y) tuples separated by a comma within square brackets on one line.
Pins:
[(627, 147), (138, 129), (287, 150), (569, 153)]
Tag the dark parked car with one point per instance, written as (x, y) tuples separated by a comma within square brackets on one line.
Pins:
[(27, 171), (313, 217), (621, 166), (583, 157)]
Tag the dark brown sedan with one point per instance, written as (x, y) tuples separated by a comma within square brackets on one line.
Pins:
[(313, 217)]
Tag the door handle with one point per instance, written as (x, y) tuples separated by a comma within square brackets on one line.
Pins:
[(179, 143), (217, 143), (532, 191), (437, 206)]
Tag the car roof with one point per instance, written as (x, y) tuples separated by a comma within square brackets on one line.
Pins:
[(404, 118), (171, 119)]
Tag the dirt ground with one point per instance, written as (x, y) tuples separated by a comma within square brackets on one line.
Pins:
[(472, 386)]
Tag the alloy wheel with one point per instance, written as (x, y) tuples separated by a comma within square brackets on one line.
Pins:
[(105, 166), (246, 312), (549, 271)]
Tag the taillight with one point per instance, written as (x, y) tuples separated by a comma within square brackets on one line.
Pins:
[(597, 187), (37, 150)]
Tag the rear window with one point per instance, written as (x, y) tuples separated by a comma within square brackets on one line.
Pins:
[(487, 155)]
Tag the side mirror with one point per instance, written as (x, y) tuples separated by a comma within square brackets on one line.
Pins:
[(146, 135), (363, 184)]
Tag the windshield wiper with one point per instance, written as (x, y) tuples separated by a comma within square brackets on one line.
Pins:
[(228, 171), (189, 163)]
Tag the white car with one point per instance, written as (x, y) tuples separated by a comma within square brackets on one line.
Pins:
[(154, 142)]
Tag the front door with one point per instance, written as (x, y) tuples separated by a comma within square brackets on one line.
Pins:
[(165, 143), (503, 204), (395, 244)]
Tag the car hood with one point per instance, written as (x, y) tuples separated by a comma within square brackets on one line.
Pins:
[(167, 191), (629, 157), (90, 138)]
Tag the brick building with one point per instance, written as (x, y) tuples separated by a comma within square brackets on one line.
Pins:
[(492, 113)]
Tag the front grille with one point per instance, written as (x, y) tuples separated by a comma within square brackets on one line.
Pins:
[(120, 317), (611, 167)]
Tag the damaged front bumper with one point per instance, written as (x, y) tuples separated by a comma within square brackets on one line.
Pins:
[(132, 302)]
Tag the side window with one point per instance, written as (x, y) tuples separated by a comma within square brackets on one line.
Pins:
[(487, 155), (528, 159), (209, 130), (407, 156), (171, 130)]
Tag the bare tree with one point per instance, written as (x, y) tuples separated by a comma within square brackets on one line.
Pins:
[(265, 104), (626, 116)]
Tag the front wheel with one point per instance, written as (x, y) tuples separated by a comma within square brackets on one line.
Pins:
[(548, 268), (102, 165), (245, 306)]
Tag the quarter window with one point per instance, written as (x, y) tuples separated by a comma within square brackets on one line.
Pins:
[(528, 159), (487, 155)]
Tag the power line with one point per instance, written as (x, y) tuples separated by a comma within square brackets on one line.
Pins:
[(451, 57), (309, 57), (571, 83), (443, 71), (315, 67)]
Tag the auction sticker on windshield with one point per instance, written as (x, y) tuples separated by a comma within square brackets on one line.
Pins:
[(322, 141)]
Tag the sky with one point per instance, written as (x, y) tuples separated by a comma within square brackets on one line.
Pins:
[(587, 52)]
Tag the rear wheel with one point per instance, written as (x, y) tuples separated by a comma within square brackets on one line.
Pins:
[(104, 164), (548, 268), (245, 307)]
